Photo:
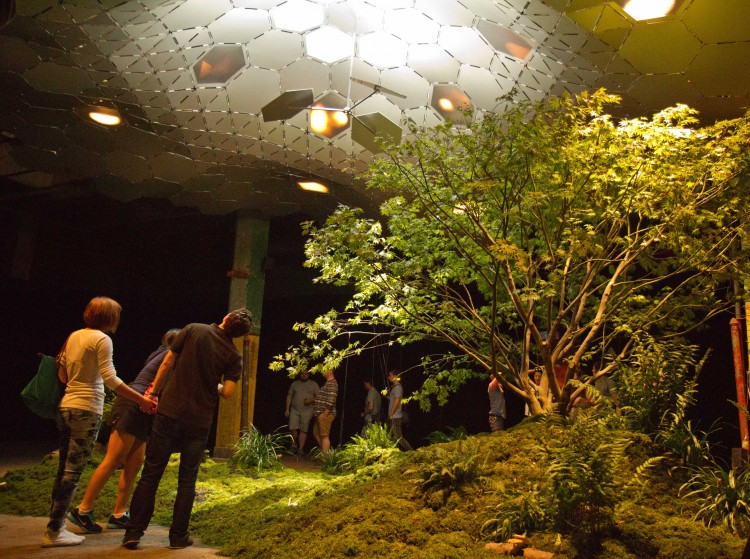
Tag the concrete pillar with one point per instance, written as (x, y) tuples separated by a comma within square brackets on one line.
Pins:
[(245, 290)]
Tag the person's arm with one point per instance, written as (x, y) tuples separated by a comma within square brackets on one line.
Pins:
[(227, 389), (396, 402), (164, 368), (289, 404), (146, 403)]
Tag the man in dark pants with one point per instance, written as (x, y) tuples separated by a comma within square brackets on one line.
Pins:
[(185, 388)]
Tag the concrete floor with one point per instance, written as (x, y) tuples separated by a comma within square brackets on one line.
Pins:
[(21, 536)]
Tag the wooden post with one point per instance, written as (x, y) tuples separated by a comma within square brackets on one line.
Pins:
[(246, 290), (739, 378)]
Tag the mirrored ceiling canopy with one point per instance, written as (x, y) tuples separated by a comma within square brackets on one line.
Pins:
[(217, 98)]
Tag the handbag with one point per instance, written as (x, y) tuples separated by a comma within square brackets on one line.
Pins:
[(44, 391)]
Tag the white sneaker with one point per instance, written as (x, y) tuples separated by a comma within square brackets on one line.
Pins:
[(61, 538)]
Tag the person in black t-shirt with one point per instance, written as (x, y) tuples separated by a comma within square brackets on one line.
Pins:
[(201, 359)]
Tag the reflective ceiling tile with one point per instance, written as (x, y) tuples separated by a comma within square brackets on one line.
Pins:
[(446, 12), (433, 63), (170, 166), (411, 26), (160, 188), (466, 45), (721, 69), (713, 26), (128, 166), (252, 89), (489, 10), (117, 188), (194, 13), (275, 49), (58, 79), (481, 87), (305, 73), (240, 25), (658, 91), (408, 83), (674, 42)]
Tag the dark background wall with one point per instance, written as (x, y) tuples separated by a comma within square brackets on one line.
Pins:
[(167, 267)]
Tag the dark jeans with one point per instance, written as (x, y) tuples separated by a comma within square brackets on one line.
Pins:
[(78, 429), (167, 436)]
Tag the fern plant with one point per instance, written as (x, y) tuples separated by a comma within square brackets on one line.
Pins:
[(451, 434), (723, 497), (516, 513), (377, 446), (585, 475), (259, 451), (449, 469)]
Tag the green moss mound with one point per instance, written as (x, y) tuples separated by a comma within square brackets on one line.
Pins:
[(428, 504)]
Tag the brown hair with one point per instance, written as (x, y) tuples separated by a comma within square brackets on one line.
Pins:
[(102, 313), (169, 336), (238, 323)]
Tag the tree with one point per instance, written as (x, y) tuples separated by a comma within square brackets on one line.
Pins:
[(540, 237)]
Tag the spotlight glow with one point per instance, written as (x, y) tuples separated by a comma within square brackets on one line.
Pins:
[(446, 104), (648, 9), (313, 186), (109, 118), (340, 118), (318, 120)]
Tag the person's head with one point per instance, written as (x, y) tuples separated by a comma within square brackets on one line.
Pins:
[(169, 336), (102, 313), (304, 375), (237, 323), (328, 374), (368, 384), (393, 376), (537, 376)]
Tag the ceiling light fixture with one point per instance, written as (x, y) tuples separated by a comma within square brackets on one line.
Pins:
[(313, 186), (106, 116), (648, 9)]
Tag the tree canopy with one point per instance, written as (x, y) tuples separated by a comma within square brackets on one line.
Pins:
[(548, 236)]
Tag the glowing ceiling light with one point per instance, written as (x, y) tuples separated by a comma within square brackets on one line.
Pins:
[(105, 116), (446, 104), (319, 120), (327, 122), (313, 186), (648, 9), (340, 117)]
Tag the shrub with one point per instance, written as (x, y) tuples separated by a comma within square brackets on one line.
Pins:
[(256, 450), (586, 478), (723, 497), (452, 434), (515, 513), (377, 446)]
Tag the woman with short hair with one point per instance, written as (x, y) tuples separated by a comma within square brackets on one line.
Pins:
[(86, 367)]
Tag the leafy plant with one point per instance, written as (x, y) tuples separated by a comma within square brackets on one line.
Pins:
[(516, 512), (259, 451), (658, 378), (377, 446), (586, 478), (551, 217), (448, 470), (451, 434), (723, 497), (677, 436)]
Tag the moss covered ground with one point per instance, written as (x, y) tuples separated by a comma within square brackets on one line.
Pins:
[(427, 504)]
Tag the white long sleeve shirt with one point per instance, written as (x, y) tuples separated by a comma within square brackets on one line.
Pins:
[(88, 360)]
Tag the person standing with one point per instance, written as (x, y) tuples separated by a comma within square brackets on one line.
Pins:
[(299, 409), (126, 448), (86, 367), (372, 407), (395, 410), (187, 387), (497, 405), (324, 409)]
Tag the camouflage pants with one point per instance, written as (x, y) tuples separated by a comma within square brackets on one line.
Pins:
[(78, 430)]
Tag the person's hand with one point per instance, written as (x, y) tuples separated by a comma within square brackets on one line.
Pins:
[(220, 388), (149, 404), (286, 413)]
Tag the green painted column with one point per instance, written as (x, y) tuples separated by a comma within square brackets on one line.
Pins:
[(245, 290)]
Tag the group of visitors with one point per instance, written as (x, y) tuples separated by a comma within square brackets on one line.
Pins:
[(168, 408), (307, 403)]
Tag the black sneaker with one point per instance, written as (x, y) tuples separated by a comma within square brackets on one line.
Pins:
[(180, 543), (85, 521), (118, 523), (131, 541)]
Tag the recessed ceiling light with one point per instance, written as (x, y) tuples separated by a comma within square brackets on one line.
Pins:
[(648, 9), (104, 115), (313, 186)]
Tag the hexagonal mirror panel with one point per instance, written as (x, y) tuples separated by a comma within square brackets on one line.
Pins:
[(219, 64)]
